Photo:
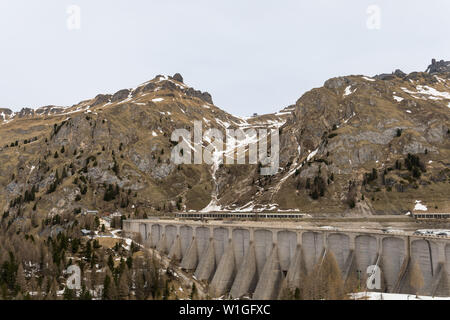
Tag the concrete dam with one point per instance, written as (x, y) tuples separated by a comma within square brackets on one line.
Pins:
[(259, 260)]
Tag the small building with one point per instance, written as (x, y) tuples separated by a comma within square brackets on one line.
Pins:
[(85, 232), (430, 215), (116, 214), (86, 212)]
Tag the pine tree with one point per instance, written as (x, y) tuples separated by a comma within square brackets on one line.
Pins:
[(106, 294), (111, 263), (21, 281), (68, 294), (124, 290), (324, 282), (139, 290), (130, 262), (88, 251), (416, 278), (85, 294), (193, 291), (52, 290), (166, 292)]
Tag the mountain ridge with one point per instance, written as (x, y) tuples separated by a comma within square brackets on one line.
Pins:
[(112, 152)]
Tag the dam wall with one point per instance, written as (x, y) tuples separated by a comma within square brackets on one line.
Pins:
[(259, 261)]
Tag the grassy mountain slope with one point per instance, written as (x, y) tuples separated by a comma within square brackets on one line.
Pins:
[(357, 145)]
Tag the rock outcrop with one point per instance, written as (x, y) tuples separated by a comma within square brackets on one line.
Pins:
[(357, 142), (438, 67)]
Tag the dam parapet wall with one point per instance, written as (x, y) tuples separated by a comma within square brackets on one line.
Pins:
[(259, 260)]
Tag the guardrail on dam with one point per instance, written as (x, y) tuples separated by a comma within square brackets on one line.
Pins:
[(260, 260)]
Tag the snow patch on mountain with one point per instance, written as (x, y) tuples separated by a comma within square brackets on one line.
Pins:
[(368, 79), (348, 91), (419, 206), (427, 92)]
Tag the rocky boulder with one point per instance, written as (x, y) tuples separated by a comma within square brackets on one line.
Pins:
[(120, 95), (438, 66), (177, 77), (101, 99)]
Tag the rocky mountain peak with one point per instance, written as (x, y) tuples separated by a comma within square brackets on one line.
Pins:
[(177, 77), (438, 67), (160, 85), (376, 144)]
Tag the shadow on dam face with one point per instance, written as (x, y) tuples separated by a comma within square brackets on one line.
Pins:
[(202, 235), (394, 254), (339, 244), (155, 235), (171, 234), (241, 242), (312, 243), (220, 236), (422, 253), (366, 252), (263, 247), (287, 245), (143, 231), (186, 234)]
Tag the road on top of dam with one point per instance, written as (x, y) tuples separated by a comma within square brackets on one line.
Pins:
[(398, 225)]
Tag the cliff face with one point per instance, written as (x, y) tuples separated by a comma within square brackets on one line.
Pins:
[(357, 145), (71, 158), (363, 130)]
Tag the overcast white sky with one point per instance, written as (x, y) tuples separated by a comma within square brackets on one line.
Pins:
[(251, 55)]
